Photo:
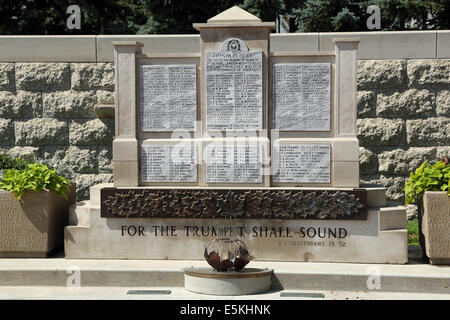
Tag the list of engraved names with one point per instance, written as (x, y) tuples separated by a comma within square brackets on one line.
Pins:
[(168, 97), (169, 163), (301, 163), (233, 163), (234, 90), (301, 96)]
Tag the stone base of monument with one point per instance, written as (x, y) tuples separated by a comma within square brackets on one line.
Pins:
[(379, 236), (231, 283)]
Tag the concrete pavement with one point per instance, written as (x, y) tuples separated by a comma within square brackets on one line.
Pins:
[(59, 278), (178, 293)]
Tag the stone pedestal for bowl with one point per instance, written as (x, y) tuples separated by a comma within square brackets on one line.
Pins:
[(229, 283)]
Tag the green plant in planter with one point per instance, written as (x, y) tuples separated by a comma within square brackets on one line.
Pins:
[(35, 177), (427, 178)]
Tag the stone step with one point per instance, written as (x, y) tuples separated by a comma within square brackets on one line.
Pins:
[(60, 272)]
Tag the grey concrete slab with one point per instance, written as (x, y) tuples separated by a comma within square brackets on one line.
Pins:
[(387, 44), (91, 48), (166, 44), (294, 42), (47, 48), (443, 44)]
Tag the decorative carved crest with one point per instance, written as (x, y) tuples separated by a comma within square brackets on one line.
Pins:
[(234, 44)]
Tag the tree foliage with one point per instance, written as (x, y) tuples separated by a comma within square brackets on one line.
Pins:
[(350, 15), (266, 10), (177, 16), (29, 17)]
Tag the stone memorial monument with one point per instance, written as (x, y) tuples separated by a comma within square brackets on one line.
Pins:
[(238, 142)]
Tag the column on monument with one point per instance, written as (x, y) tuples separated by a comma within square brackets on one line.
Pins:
[(125, 145), (235, 145), (313, 118), (301, 118), (167, 120), (234, 101), (346, 154)]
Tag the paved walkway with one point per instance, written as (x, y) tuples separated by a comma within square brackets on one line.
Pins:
[(59, 278), (178, 293)]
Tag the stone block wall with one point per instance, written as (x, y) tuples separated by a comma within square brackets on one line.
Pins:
[(47, 110), (403, 119), (50, 110)]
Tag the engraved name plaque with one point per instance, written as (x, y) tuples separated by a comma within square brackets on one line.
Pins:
[(168, 97), (234, 88), (301, 96), (233, 163), (308, 163), (169, 163)]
